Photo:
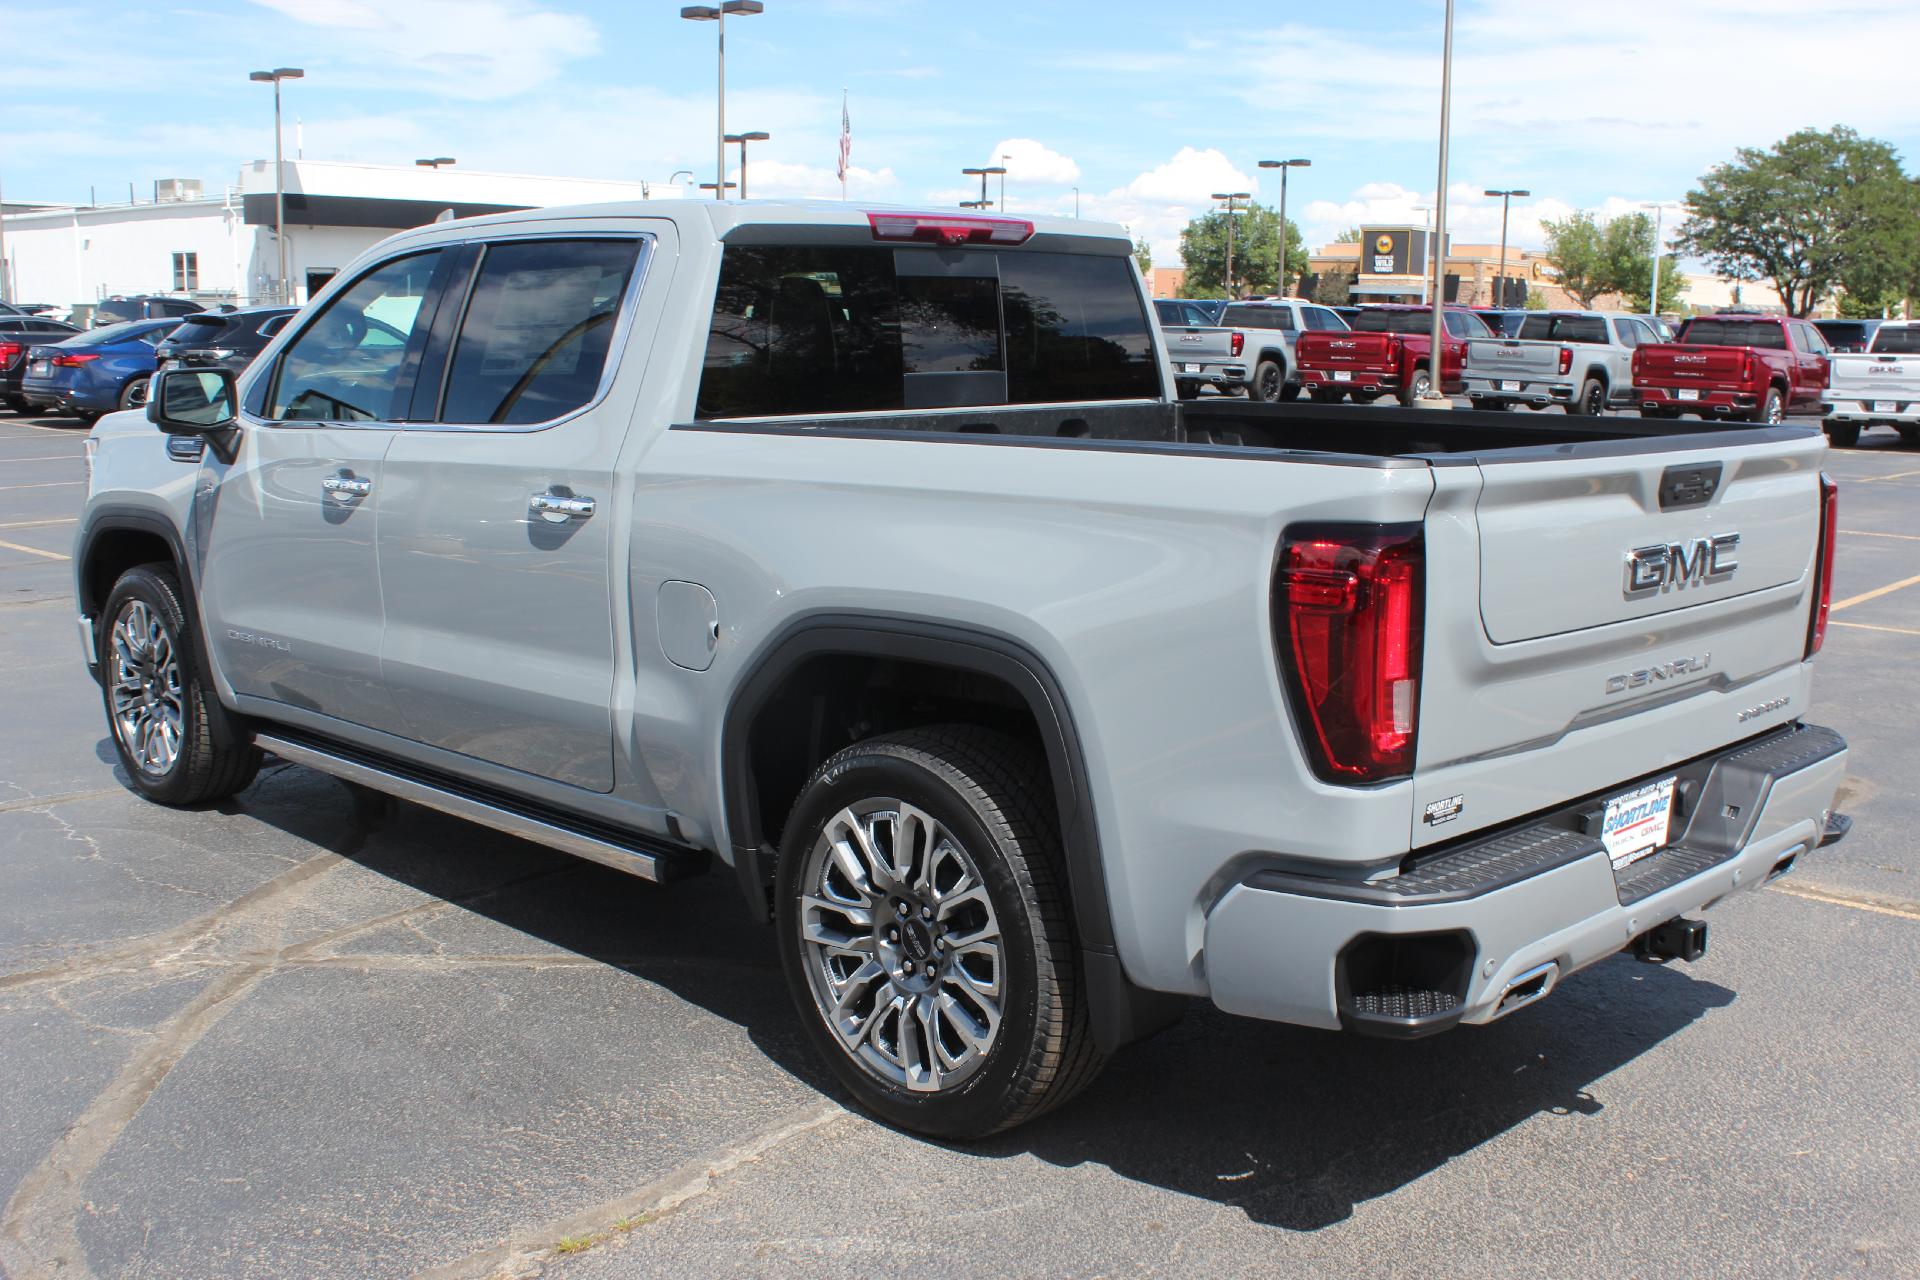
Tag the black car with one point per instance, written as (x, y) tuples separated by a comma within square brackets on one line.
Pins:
[(147, 306), (1847, 336), (18, 333), (229, 339)]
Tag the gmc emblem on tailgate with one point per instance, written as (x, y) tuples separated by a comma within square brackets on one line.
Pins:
[(1681, 564)]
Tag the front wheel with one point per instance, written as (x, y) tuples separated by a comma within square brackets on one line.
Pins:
[(924, 929), (1843, 435), (159, 705)]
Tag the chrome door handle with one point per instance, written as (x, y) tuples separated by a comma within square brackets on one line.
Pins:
[(345, 488), (559, 508)]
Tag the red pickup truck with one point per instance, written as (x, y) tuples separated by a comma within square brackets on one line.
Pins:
[(1754, 368), (1386, 353)]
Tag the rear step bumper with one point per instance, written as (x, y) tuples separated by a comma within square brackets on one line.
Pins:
[(1472, 932)]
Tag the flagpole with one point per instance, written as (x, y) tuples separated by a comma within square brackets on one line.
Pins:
[(844, 143)]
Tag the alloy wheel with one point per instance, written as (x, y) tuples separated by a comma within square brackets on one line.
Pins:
[(149, 707), (903, 952)]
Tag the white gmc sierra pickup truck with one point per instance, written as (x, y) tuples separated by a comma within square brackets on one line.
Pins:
[(865, 552)]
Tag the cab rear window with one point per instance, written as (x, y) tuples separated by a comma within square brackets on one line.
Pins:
[(1903, 341), (845, 329), (1564, 329), (1378, 321), (1765, 335)]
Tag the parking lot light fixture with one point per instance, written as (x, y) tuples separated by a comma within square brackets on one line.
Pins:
[(1500, 281), (1436, 391), (1283, 166), (976, 204), (274, 77), (435, 162), (743, 139), (708, 186), (982, 174), (718, 15), (1230, 197)]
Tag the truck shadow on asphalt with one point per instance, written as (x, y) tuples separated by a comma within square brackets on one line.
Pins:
[(1296, 1128)]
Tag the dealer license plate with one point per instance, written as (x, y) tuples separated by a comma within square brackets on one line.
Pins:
[(1189, 368), (1687, 393), (1638, 823), (1885, 406), (40, 367), (1343, 375), (1509, 385)]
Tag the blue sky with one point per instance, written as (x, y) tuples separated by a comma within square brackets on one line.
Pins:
[(1146, 107)]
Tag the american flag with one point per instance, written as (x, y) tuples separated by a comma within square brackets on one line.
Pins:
[(846, 143)]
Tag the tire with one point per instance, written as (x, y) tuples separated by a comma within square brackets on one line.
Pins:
[(1842, 435), (1493, 406), (19, 405), (978, 789), (1326, 395), (1591, 401), (1290, 391), (1773, 410), (1184, 390), (1911, 435), (1269, 382), (134, 394), (160, 706), (1417, 387)]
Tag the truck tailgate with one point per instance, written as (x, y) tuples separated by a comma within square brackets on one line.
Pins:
[(1621, 621), (1673, 365), (1875, 378), (1511, 358), (1371, 352), (1207, 346)]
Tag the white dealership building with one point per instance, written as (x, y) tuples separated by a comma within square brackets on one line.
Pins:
[(221, 248)]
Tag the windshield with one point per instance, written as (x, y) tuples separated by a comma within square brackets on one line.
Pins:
[(1377, 321), (1903, 341), (1766, 335)]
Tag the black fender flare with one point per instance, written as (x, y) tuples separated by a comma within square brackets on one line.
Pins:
[(1119, 1010)]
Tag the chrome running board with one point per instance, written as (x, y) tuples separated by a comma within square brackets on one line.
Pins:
[(633, 856)]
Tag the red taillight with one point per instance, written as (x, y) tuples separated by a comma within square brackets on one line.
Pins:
[(1752, 372), (943, 228), (1823, 564), (1239, 343), (1349, 603), (65, 361), (9, 350), (1566, 360)]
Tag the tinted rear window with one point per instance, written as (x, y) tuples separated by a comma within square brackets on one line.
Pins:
[(829, 329), (1565, 329), (1258, 318), (1762, 334), (1372, 320), (1904, 341), (194, 333)]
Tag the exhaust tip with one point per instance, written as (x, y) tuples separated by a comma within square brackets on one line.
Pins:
[(1527, 988)]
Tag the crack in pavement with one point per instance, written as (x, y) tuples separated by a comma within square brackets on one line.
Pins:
[(526, 1251)]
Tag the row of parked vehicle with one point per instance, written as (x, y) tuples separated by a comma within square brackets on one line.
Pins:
[(1734, 365), (50, 366)]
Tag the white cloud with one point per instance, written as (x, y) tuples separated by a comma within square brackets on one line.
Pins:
[(1190, 177), (476, 49), (1030, 161), (773, 179)]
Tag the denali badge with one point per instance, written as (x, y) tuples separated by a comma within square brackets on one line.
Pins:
[(1654, 675), (1681, 564)]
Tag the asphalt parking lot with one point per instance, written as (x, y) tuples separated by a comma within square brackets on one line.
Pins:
[(315, 1032)]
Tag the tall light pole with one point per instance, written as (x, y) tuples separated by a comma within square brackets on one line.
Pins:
[(743, 139), (1283, 166), (982, 175), (1003, 182), (274, 77), (1659, 208), (1230, 197), (717, 14), (1435, 392), (1426, 230), (1076, 202), (1500, 281)]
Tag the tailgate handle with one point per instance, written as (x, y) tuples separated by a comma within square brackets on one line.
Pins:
[(1689, 486)]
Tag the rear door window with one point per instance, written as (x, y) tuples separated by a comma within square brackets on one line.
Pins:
[(538, 328), (346, 364), (1321, 318), (847, 329)]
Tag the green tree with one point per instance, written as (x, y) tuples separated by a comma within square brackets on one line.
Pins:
[(1256, 252), (1334, 288), (1143, 254), (1350, 236), (1814, 211), (1615, 256), (1577, 249)]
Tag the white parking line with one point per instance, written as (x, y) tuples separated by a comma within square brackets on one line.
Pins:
[(1875, 533), (1868, 626), (40, 524), (50, 457), (33, 551), (1898, 475), (1875, 594), (45, 484)]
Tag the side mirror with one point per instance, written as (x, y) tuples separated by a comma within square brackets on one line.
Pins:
[(196, 402)]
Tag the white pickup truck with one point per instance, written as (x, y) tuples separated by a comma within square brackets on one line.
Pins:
[(863, 552), (1203, 354), (1582, 360), (1881, 387)]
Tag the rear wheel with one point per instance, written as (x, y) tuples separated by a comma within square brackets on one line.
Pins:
[(1845, 435), (19, 404), (1290, 391), (1773, 410), (1592, 399), (1186, 390), (1417, 387), (159, 706), (1326, 395), (924, 929), (1909, 434), (1269, 382), (1495, 406), (134, 394)]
